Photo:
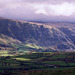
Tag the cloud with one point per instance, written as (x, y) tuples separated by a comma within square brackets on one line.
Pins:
[(64, 9), (38, 10)]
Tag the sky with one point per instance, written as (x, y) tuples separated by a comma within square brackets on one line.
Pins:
[(39, 10)]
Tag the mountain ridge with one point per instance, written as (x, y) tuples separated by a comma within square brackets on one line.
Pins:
[(46, 35)]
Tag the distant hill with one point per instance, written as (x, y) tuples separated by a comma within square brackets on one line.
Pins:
[(56, 36)]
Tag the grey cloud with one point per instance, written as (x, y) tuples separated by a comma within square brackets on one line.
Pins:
[(24, 9), (48, 1)]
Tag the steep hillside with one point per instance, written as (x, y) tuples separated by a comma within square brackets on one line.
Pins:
[(54, 35)]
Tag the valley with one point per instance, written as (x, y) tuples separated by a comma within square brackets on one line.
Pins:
[(37, 37), (30, 48)]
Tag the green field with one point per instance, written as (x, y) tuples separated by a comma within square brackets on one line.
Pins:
[(38, 61)]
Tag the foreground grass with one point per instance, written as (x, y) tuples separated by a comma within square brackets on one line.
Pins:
[(38, 64), (70, 71)]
